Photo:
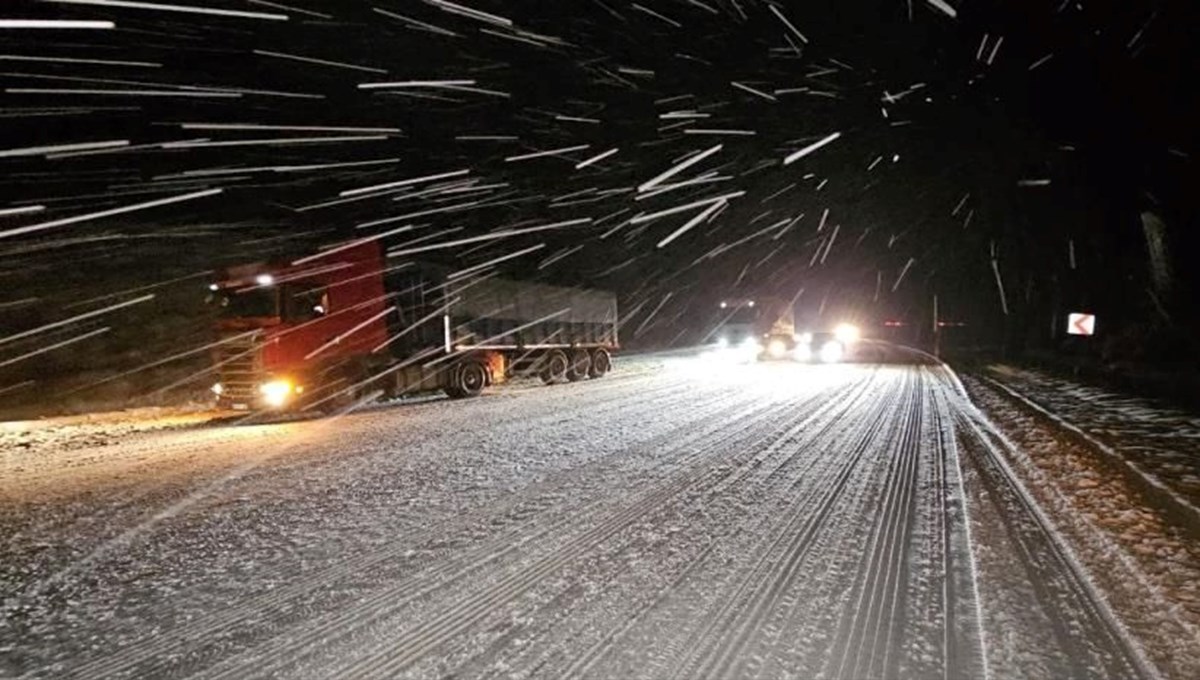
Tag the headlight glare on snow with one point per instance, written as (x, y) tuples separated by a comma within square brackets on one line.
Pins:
[(722, 342), (750, 345)]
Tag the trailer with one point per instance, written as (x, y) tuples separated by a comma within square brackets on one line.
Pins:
[(327, 331)]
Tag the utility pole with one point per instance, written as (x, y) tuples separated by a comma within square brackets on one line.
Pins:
[(937, 330)]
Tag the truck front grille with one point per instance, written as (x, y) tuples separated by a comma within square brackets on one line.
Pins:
[(239, 367)]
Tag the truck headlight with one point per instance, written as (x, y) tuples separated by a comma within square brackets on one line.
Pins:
[(832, 352), (847, 333), (777, 349), (276, 392)]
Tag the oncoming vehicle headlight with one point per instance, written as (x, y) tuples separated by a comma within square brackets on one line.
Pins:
[(276, 392), (777, 349), (832, 352), (847, 333)]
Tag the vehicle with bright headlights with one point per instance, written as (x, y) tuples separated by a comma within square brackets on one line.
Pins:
[(339, 327), (760, 328), (737, 328), (826, 347)]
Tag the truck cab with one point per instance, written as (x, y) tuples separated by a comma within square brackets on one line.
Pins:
[(286, 332)]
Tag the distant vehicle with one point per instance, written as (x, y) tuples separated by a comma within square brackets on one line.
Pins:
[(827, 347), (738, 329), (338, 328)]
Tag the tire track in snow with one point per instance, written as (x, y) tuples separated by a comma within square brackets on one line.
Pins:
[(873, 619), (428, 635), (715, 652), (824, 420), (1088, 641), (157, 654), (663, 447), (962, 641)]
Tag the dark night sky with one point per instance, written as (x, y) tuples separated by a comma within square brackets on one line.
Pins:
[(1099, 98)]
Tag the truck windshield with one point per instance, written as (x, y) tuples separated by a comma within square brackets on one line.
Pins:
[(249, 303)]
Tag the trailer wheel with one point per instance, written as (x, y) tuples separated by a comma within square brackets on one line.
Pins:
[(554, 367), (601, 363), (581, 365), (467, 380)]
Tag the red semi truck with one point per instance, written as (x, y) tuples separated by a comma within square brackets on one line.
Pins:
[(330, 330)]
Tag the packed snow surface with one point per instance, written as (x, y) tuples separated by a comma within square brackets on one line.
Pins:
[(679, 518)]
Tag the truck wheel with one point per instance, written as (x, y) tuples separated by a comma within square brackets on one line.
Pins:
[(555, 367), (467, 380), (601, 363), (581, 365)]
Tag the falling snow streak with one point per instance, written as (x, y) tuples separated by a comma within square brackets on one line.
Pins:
[(402, 183), (793, 157), (647, 217), (489, 237), (57, 345), (712, 209), (184, 9), (680, 167), (788, 23), (995, 261), (75, 319), (903, 272), (55, 24), (944, 7), (543, 154), (106, 213), (319, 62), (595, 159)]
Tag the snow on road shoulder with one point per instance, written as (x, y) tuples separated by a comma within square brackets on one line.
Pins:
[(27, 439), (1140, 555), (1160, 442)]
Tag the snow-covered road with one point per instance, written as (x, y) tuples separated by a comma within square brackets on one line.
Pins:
[(681, 518)]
